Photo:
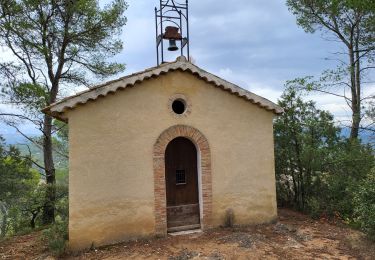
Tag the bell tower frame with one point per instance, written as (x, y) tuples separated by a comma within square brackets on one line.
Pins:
[(172, 16)]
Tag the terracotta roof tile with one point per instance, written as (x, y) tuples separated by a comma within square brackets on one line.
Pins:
[(57, 109)]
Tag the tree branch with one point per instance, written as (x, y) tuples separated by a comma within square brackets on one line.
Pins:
[(367, 68), (31, 160), (23, 117)]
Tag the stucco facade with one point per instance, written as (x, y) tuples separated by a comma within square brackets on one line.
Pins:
[(112, 165)]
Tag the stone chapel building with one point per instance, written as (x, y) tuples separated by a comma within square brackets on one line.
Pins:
[(166, 149)]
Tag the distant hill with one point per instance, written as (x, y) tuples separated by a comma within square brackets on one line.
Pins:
[(11, 136), (365, 136), (60, 161)]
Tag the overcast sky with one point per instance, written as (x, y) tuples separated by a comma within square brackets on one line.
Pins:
[(253, 43)]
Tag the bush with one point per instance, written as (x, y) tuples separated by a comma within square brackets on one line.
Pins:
[(57, 236), (365, 205), (314, 208)]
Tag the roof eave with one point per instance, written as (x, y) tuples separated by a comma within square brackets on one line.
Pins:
[(59, 108)]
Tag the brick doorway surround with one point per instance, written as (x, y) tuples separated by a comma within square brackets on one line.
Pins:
[(204, 164)]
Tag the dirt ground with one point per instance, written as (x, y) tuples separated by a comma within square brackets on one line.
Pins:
[(294, 236)]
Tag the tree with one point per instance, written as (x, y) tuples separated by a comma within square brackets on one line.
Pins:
[(304, 139), (317, 170), (16, 179), (61, 141), (352, 23), (365, 205), (370, 120), (31, 204), (56, 44)]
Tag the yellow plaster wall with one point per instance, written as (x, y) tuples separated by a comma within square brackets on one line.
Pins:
[(111, 144)]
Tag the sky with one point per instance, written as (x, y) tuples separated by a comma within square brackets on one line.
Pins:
[(255, 44)]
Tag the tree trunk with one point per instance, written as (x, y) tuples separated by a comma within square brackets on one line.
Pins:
[(49, 205), (32, 221), (357, 114), (300, 182), (295, 188), (355, 105)]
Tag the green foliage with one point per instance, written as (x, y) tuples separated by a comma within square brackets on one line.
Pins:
[(17, 180), (60, 143), (62, 177), (352, 161), (15, 172), (317, 170), (27, 93), (364, 203), (340, 184), (314, 207), (329, 82), (370, 118), (56, 237), (352, 23), (56, 45), (315, 15), (304, 139), (62, 132), (76, 36), (23, 195)]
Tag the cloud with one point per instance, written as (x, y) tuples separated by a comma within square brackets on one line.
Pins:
[(256, 38), (254, 44), (5, 54)]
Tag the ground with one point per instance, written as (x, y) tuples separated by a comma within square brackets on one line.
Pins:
[(294, 236)]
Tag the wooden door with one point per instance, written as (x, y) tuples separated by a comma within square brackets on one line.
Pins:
[(181, 185)]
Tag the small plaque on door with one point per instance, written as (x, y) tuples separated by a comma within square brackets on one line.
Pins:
[(180, 177)]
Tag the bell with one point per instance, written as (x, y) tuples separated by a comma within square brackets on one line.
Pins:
[(172, 45)]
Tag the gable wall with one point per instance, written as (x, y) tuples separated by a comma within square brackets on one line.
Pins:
[(111, 157)]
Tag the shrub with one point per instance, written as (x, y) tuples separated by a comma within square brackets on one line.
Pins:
[(314, 208), (57, 236), (365, 205)]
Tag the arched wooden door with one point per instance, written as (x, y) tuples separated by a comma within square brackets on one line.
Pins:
[(181, 177)]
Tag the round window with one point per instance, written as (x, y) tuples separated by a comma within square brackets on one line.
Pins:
[(179, 106)]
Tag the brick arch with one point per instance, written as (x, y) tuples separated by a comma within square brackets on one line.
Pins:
[(205, 190)]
